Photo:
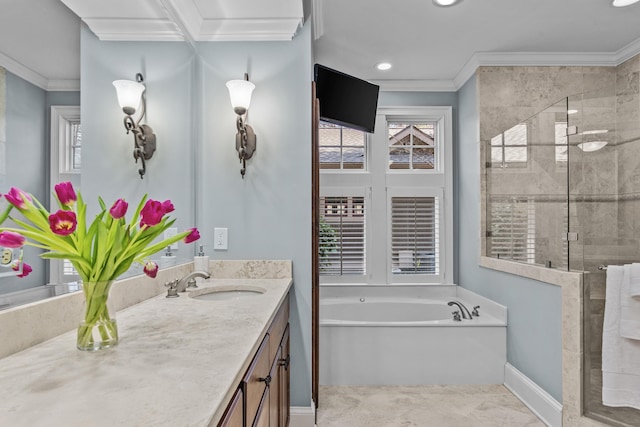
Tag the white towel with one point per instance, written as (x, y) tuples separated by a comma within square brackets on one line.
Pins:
[(634, 287), (620, 356), (629, 306)]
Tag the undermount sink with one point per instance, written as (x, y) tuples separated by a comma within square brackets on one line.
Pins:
[(221, 293)]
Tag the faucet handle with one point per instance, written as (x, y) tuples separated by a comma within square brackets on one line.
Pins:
[(475, 311), (456, 316), (172, 292), (191, 283)]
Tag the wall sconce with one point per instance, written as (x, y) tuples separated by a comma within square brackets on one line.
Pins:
[(240, 94), (131, 96)]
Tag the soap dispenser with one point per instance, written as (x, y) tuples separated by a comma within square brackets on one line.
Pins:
[(201, 263), (168, 259)]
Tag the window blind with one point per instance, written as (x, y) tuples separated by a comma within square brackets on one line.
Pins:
[(415, 235), (342, 235), (512, 232)]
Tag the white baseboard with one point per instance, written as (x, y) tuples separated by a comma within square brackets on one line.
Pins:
[(302, 416), (537, 400)]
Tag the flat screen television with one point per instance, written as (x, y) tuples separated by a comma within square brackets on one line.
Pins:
[(346, 100)]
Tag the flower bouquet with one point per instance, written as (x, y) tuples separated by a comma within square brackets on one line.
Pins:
[(100, 251)]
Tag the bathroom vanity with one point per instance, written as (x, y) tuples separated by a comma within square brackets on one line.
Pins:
[(180, 361)]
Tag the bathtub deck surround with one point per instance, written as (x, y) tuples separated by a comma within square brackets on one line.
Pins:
[(412, 333), (178, 362)]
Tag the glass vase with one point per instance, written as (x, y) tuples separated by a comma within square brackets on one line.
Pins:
[(98, 329)]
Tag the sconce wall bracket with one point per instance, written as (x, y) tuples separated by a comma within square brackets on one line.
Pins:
[(143, 137)]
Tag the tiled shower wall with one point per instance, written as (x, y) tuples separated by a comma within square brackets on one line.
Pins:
[(509, 95), (604, 185)]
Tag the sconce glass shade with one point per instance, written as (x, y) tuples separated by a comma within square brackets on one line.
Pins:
[(129, 94), (240, 93)]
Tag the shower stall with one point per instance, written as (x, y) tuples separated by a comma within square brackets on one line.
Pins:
[(563, 192)]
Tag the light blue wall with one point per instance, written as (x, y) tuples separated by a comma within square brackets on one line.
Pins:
[(27, 157), (268, 214), (26, 162), (534, 333), (108, 168)]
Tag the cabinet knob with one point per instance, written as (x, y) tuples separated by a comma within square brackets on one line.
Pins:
[(266, 380), (285, 362)]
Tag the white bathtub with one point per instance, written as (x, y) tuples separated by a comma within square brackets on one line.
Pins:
[(410, 340)]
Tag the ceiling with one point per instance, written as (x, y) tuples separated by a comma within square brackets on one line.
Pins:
[(430, 47)]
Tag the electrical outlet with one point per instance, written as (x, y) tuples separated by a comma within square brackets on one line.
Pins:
[(220, 236), (170, 232)]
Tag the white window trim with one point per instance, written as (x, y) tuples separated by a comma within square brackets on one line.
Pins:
[(347, 192), (442, 178), (60, 115), (378, 243), (435, 279)]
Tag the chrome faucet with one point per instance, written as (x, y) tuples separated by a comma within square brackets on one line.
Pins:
[(465, 312), (189, 280)]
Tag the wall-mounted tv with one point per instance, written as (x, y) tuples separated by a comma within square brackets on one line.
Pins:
[(346, 100)]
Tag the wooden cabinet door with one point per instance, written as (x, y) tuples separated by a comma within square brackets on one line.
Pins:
[(233, 415), (262, 416), (255, 382), (284, 378), (274, 392)]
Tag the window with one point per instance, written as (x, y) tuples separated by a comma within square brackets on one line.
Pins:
[(415, 236), (390, 223), (66, 162), (411, 146), (342, 235), (510, 147), (512, 231), (341, 148)]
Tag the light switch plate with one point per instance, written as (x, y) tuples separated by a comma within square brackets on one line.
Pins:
[(220, 236)]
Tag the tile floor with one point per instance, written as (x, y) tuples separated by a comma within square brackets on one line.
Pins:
[(422, 406)]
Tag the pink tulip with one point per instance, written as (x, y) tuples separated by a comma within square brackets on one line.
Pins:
[(17, 198), (66, 194), (192, 236), (63, 223), (9, 239), (151, 269), (119, 209), (151, 214), (167, 206), (26, 269)]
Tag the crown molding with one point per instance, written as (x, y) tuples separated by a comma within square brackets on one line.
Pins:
[(317, 16), (25, 73), (271, 29), (628, 51), (544, 59), (415, 85), (118, 29), (63, 86)]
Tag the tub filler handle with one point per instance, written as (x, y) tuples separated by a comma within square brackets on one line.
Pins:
[(475, 311), (456, 316)]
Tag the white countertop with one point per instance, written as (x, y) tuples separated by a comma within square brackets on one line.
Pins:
[(177, 363)]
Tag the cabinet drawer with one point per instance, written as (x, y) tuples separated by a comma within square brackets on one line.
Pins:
[(254, 383), (277, 328)]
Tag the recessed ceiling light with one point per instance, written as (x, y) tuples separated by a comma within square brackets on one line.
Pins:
[(451, 2), (622, 3), (383, 66)]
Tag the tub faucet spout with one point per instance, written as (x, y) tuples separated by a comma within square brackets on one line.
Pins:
[(466, 314)]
